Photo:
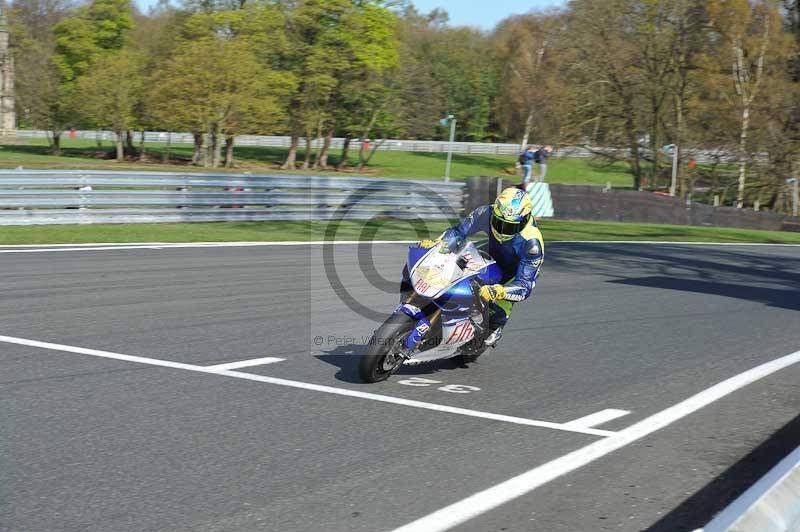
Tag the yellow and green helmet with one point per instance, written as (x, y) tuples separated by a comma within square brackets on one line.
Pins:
[(511, 213)]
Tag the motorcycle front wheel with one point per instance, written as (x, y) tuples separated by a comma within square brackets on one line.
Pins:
[(383, 356)]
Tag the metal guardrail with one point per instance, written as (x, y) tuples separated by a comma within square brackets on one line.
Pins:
[(66, 197), (769, 505), (403, 145)]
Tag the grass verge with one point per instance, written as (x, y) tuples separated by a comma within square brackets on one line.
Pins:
[(81, 154), (375, 230), (579, 230)]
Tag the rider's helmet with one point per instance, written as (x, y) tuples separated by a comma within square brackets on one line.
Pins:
[(511, 213)]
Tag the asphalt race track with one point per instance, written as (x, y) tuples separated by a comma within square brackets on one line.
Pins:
[(185, 439)]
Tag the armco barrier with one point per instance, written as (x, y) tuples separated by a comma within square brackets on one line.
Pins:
[(64, 197), (771, 505)]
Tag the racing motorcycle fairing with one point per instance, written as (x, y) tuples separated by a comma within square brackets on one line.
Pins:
[(434, 273), (447, 283)]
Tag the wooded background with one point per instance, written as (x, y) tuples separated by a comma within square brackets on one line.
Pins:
[(718, 75)]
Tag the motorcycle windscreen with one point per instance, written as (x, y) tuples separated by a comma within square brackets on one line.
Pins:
[(436, 271)]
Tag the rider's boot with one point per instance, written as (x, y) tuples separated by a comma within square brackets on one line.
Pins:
[(494, 337)]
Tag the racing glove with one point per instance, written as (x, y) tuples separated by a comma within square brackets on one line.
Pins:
[(492, 292)]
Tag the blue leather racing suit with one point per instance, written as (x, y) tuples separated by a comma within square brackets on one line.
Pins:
[(520, 258)]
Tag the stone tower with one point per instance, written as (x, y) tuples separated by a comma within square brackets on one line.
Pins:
[(8, 119)]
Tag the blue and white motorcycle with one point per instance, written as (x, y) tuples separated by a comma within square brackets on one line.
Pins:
[(441, 315)]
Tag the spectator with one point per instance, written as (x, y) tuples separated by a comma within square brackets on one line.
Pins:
[(540, 157), (526, 162)]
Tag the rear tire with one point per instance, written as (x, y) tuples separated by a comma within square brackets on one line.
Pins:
[(383, 353)]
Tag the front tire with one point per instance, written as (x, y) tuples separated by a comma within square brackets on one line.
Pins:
[(383, 353)]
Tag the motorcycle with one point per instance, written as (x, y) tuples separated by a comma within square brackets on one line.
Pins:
[(441, 315)]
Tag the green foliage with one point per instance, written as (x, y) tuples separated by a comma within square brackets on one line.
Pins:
[(38, 85), (444, 71), (111, 21), (335, 48), (76, 47), (223, 71), (108, 95), (96, 29), (214, 90)]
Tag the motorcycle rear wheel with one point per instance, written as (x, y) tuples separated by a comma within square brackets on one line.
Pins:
[(383, 353)]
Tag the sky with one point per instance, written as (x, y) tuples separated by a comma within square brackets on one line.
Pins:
[(483, 14)]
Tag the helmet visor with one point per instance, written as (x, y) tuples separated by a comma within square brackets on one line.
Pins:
[(508, 228)]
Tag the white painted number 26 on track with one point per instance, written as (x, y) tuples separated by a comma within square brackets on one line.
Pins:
[(452, 388)]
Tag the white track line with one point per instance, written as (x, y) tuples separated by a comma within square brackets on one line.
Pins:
[(242, 243), (481, 502), (670, 243), (246, 363), (44, 248), (76, 249), (598, 418), (304, 386)]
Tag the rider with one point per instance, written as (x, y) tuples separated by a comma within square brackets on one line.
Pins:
[(515, 242)]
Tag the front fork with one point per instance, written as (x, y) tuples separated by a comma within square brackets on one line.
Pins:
[(424, 323), (423, 326)]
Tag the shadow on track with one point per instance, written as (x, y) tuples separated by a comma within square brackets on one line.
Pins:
[(346, 359), (766, 275), (773, 297), (696, 511)]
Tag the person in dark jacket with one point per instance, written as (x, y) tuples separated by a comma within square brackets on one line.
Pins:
[(540, 157)]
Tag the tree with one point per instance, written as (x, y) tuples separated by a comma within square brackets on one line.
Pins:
[(444, 71), (688, 23), (606, 66), (96, 29), (42, 99), (360, 104), (154, 38), (78, 40), (39, 16), (104, 102), (656, 41), (201, 90), (522, 44), (748, 31), (420, 96), (333, 43)]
